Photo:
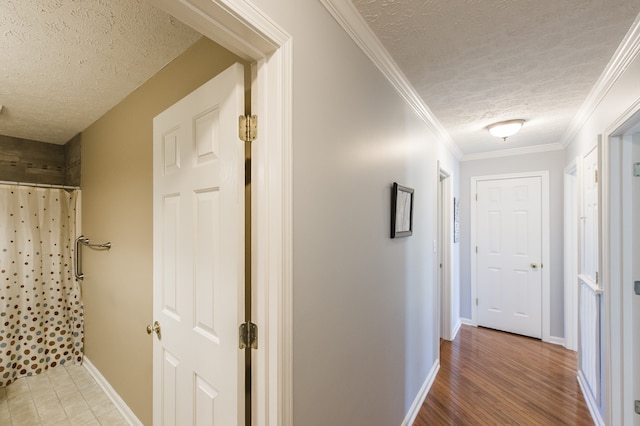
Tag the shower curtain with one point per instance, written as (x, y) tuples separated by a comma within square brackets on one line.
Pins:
[(41, 313)]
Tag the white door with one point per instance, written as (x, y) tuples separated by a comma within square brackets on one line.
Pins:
[(198, 231), (509, 247)]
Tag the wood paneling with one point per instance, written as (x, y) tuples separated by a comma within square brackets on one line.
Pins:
[(489, 377)]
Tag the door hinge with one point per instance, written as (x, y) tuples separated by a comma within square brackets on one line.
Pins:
[(476, 197), (476, 249), (636, 405), (595, 176), (248, 127), (597, 280), (248, 335), (476, 301)]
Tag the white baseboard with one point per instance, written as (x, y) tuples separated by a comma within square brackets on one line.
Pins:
[(556, 340), (456, 329), (111, 393), (591, 402), (422, 395), (467, 321)]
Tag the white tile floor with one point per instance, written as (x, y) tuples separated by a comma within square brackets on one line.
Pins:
[(64, 395)]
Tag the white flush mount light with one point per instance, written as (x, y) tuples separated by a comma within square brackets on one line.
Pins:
[(504, 129)]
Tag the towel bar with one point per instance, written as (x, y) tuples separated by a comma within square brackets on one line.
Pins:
[(84, 241)]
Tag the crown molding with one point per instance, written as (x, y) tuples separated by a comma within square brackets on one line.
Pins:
[(622, 58), (345, 13), (534, 149)]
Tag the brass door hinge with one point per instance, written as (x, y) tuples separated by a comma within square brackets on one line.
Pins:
[(248, 127), (595, 176), (248, 335)]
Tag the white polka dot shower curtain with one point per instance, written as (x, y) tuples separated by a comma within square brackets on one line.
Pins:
[(41, 313)]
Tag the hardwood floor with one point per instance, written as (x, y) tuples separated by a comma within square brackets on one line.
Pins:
[(488, 377)]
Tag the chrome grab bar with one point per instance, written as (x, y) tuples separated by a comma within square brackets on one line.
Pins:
[(77, 254)]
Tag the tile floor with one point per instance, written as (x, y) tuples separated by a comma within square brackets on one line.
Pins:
[(64, 395)]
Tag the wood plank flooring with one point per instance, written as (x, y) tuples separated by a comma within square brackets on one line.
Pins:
[(488, 377)]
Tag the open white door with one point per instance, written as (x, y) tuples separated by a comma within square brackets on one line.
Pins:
[(198, 256), (509, 255)]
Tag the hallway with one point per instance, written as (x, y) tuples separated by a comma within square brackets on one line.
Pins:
[(488, 377)]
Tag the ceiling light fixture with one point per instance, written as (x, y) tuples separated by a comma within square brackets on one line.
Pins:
[(504, 129)]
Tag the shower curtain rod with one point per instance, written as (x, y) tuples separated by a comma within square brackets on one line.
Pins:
[(38, 185)]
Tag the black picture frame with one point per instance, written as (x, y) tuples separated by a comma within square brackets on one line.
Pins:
[(401, 211)]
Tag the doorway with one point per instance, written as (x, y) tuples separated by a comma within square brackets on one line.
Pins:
[(620, 271), (571, 256), (239, 27), (445, 232), (508, 288)]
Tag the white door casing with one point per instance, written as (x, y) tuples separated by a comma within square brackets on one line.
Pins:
[(199, 255), (635, 273), (445, 229), (510, 229), (248, 32), (571, 216)]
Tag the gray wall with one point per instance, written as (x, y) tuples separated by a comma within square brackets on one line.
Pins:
[(553, 161), (365, 328)]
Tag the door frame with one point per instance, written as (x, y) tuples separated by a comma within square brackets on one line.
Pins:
[(616, 255), (571, 255), (245, 30), (446, 295), (546, 247)]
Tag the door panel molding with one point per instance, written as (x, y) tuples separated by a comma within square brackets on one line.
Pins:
[(546, 246)]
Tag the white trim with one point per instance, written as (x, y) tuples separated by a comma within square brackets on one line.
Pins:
[(618, 319), (592, 405), (622, 58), (456, 329), (444, 255), (556, 340), (346, 14), (119, 403), (534, 149), (241, 27), (468, 321), (571, 187), (546, 246), (422, 395)]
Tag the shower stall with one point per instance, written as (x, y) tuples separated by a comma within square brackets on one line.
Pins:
[(41, 311)]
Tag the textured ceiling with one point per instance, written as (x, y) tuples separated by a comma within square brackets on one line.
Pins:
[(475, 62), (66, 62)]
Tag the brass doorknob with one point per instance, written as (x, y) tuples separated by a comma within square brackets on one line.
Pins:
[(155, 328), (534, 265)]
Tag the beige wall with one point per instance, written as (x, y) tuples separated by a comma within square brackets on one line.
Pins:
[(117, 206)]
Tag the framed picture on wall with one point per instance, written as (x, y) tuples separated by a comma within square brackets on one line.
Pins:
[(401, 211)]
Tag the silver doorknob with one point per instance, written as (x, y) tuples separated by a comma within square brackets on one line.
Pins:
[(155, 328), (534, 265)]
